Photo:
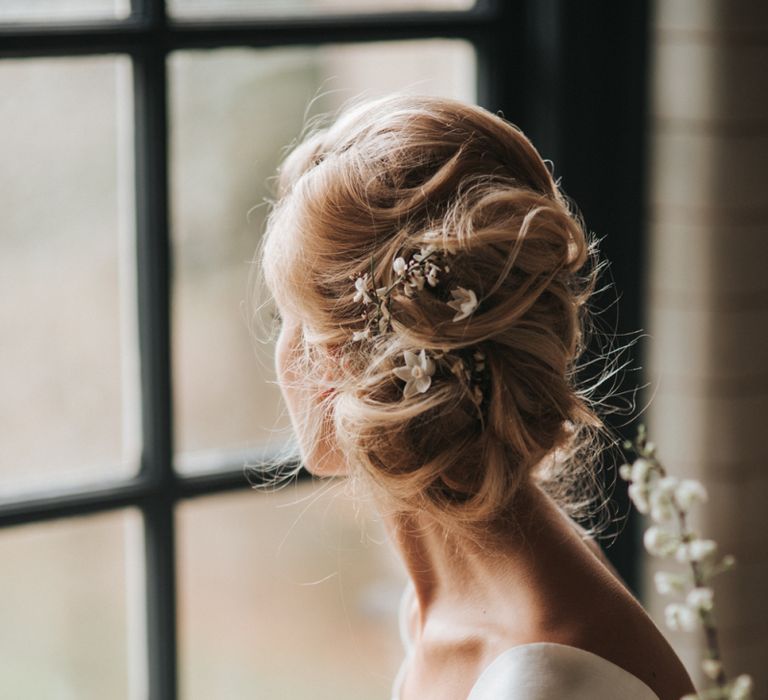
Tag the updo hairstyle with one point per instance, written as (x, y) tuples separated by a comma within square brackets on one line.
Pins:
[(389, 177)]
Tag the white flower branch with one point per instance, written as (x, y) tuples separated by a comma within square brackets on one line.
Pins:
[(668, 501)]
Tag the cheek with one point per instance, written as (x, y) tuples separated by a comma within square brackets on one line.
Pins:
[(285, 359), (319, 452)]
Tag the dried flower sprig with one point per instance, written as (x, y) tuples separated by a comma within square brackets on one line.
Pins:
[(412, 276), (668, 501)]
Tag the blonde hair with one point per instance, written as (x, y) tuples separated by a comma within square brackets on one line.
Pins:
[(388, 177)]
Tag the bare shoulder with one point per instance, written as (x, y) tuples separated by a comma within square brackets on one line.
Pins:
[(618, 628), (637, 646), (601, 615)]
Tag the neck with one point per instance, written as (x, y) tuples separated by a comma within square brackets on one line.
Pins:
[(462, 585)]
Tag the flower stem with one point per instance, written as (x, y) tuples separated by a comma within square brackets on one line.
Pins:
[(706, 617)]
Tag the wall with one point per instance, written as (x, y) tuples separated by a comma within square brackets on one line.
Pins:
[(708, 297)]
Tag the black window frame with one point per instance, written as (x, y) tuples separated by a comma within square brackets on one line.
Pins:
[(536, 60)]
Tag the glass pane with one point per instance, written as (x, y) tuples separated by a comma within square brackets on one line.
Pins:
[(68, 10), (251, 8), (233, 111), (69, 609), (286, 595), (68, 407)]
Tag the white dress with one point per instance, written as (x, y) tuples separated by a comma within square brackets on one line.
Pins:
[(539, 671)]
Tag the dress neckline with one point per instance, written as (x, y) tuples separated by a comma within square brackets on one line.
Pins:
[(630, 679)]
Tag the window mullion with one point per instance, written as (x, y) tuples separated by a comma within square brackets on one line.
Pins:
[(154, 268)]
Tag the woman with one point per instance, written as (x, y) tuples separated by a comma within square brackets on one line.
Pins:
[(432, 282)]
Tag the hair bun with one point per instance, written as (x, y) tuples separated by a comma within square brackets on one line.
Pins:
[(388, 179)]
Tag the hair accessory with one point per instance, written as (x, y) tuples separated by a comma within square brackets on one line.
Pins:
[(417, 373), (464, 301), (423, 270)]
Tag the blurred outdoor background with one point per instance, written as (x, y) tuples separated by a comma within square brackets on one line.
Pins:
[(294, 594)]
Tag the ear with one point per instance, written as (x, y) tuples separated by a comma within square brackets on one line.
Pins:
[(335, 362)]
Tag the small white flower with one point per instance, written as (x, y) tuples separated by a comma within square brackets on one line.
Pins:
[(640, 470), (625, 472), (702, 549), (432, 271), (696, 550), (363, 286), (680, 617), (661, 500), (399, 266), (700, 598), (464, 301), (361, 335), (711, 668), (639, 496), (659, 541), (689, 492), (741, 688), (667, 582), (417, 373)]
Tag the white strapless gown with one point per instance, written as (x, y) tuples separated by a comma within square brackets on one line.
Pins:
[(540, 671)]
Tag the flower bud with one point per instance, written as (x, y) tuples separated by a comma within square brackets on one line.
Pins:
[(680, 617), (637, 494), (660, 541), (741, 688), (625, 472), (661, 500), (689, 492), (667, 582), (700, 598), (640, 470), (711, 668), (696, 550)]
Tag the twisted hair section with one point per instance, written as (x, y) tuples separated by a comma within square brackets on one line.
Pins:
[(388, 178)]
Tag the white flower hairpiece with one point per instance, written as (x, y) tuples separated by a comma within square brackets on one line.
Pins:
[(363, 286), (464, 301), (412, 275), (417, 373)]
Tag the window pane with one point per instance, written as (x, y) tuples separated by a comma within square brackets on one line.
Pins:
[(69, 611), (246, 8), (233, 112), (286, 595), (68, 408), (68, 10)]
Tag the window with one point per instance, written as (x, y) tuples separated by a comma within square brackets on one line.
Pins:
[(137, 139)]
